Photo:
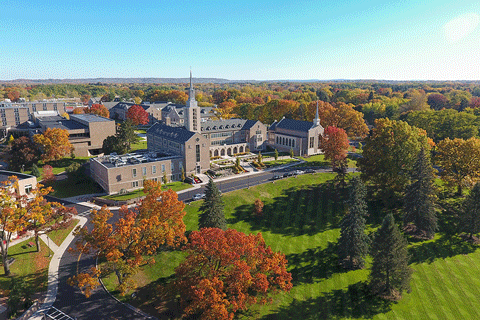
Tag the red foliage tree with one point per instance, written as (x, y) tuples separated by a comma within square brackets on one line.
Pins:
[(137, 114), (227, 271), (48, 175), (474, 103), (437, 101), (98, 109), (78, 110), (334, 143)]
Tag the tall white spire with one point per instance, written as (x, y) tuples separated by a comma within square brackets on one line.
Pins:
[(316, 121)]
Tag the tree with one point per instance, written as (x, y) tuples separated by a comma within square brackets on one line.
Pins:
[(340, 115), (113, 144), (353, 242), (23, 153), (183, 174), (164, 178), (437, 101), (13, 216), (460, 162), (78, 110), (54, 143), (258, 209), (390, 274), (99, 110), (334, 144), (259, 158), (126, 134), (228, 271), (276, 154), (211, 210), (390, 152), (48, 175), (137, 115), (35, 171), (419, 201), (291, 153), (470, 219), (139, 233)]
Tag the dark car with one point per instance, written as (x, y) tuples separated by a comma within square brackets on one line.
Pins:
[(276, 177), (287, 174), (309, 170)]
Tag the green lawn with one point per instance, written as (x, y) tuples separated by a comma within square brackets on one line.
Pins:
[(274, 163), (60, 165), (67, 188), (175, 186), (141, 144), (29, 265), (319, 161), (301, 217), (57, 236)]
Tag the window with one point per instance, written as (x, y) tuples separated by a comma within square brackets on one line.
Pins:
[(144, 171), (154, 169), (163, 168), (311, 142), (180, 165), (172, 167), (134, 172), (197, 152), (258, 132), (134, 184), (28, 188)]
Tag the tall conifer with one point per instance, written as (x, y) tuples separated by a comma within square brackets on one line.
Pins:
[(419, 201), (390, 274), (470, 222), (212, 215), (353, 242)]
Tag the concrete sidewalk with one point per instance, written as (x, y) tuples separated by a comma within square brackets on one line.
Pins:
[(53, 269)]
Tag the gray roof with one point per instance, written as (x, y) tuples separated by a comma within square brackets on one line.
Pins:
[(177, 134), (226, 125), (61, 124), (89, 118), (4, 174), (296, 125)]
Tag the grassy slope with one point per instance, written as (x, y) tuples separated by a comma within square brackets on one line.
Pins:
[(175, 186), (445, 283)]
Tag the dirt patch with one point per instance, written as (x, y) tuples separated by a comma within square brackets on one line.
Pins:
[(414, 232), (467, 238)]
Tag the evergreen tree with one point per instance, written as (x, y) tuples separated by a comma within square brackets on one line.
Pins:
[(353, 242), (291, 153), (276, 154), (390, 274), (419, 201), (36, 171), (212, 215), (470, 222)]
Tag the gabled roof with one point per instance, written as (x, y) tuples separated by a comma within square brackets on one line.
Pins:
[(296, 125), (226, 125), (177, 134)]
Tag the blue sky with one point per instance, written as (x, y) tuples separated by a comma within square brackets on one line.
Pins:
[(241, 40)]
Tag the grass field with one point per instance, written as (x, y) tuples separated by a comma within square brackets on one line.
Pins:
[(29, 265), (57, 236), (301, 220)]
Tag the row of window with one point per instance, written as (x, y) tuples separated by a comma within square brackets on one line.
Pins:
[(154, 169), (286, 141)]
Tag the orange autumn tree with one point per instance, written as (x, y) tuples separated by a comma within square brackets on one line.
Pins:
[(227, 271), (137, 234), (98, 109), (334, 143), (54, 144)]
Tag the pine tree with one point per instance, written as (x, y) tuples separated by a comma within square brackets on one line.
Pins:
[(212, 215), (470, 222), (419, 201), (390, 274), (291, 153), (353, 242), (276, 154), (35, 171)]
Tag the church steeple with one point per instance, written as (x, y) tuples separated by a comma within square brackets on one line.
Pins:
[(192, 111), (316, 121), (191, 91)]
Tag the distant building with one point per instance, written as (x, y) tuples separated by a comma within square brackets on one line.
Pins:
[(154, 110), (87, 131), (300, 136)]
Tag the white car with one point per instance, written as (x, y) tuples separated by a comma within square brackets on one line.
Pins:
[(299, 172), (198, 196)]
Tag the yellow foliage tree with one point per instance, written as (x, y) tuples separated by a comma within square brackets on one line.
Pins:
[(460, 162), (54, 143)]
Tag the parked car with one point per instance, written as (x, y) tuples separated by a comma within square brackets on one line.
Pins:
[(189, 180), (287, 174), (309, 170), (198, 196), (276, 177), (298, 172)]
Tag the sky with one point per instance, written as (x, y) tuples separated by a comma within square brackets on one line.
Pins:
[(240, 40)]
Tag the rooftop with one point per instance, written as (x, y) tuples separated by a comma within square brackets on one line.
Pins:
[(177, 134), (140, 156), (89, 118), (295, 125)]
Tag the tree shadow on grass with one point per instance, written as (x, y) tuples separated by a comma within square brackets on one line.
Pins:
[(314, 264), (297, 211), (354, 302), (444, 247)]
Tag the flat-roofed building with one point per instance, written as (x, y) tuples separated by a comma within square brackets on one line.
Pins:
[(115, 173), (26, 182)]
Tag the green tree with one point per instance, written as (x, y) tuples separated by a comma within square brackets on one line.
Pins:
[(291, 153), (126, 134), (420, 197), (390, 274), (390, 152), (113, 144), (470, 220), (276, 155), (259, 158), (212, 215), (164, 178), (36, 171), (183, 174), (353, 242)]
